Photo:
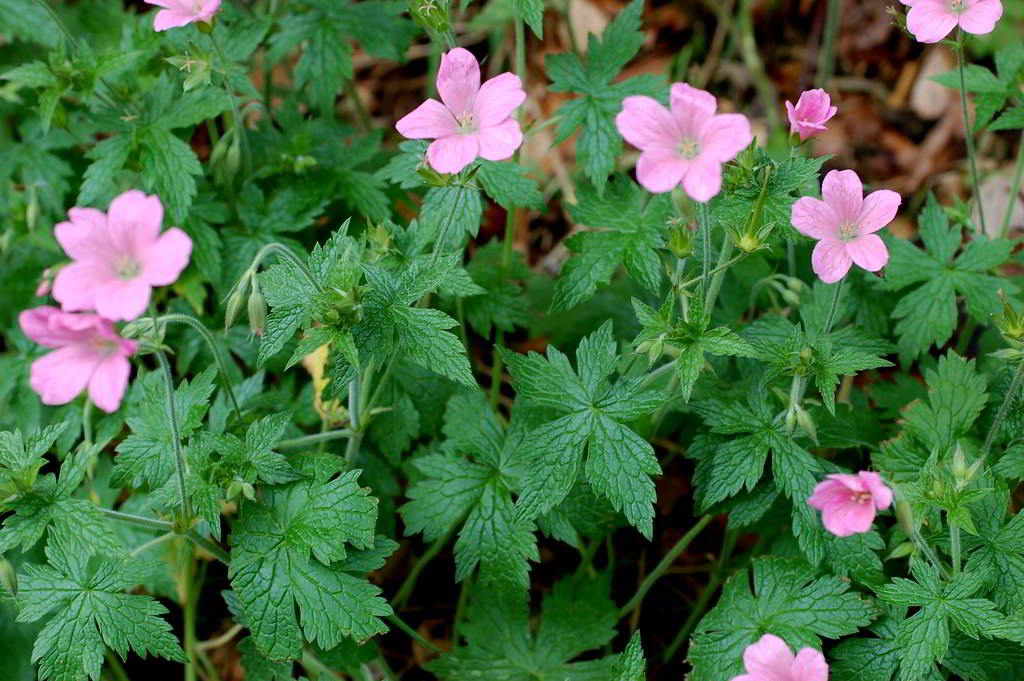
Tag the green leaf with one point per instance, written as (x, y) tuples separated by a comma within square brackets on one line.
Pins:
[(169, 168), (956, 396), (532, 12), (631, 665), (509, 185)]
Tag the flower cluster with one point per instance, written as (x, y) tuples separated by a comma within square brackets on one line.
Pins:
[(116, 259)]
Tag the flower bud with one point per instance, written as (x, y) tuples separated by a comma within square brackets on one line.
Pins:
[(144, 327), (804, 420), (791, 421), (902, 550), (959, 467), (257, 308), (236, 298), (1010, 323), (32, 209), (233, 159), (431, 14), (904, 516), (680, 239), (8, 578)]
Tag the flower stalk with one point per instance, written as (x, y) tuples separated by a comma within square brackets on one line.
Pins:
[(968, 134)]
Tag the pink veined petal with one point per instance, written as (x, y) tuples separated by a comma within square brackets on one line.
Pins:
[(880, 492), (76, 285), (123, 299), (499, 142), (724, 136), (134, 221), (850, 481), (828, 493), (453, 153), (981, 16), (878, 210), (210, 8), (167, 4), (168, 18), (109, 381), (429, 120), (814, 218), (497, 99), (63, 374), (703, 179), (165, 260), (770, 659), (84, 235), (830, 261), (868, 251), (659, 170), (691, 107), (908, 3), (843, 190), (844, 520), (930, 20), (458, 80), (646, 124), (809, 665)]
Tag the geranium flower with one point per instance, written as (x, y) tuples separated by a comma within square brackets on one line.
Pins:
[(177, 13), (687, 144), (812, 111), (770, 659), (474, 120), (848, 502), (931, 20), (88, 354), (845, 223), (118, 257)]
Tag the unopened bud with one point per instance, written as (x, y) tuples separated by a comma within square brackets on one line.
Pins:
[(233, 159), (240, 488), (680, 240), (32, 209), (791, 421), (1010, 323), (902, 550), (257, 308), (804, 420), (960, 466), (904, 516), (8, 578), (144, 327), (236, 298)]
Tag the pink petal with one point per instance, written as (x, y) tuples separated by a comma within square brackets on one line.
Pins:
[(52, 328), (458, 80), (842, 190), (429, 120), (109, 382), (691, 108), (134, 221), (770, 659), (453, 153), (878, 210), (830, 261), (169, 18), (703, 179), (76, 285), (499, 142), (809, 665), (123, 299), (84, 236), (844, 520), (210, 8), (659, 170), (497, 99), (868, 251), (646, 124), (164, 261), (814, 218), (880, 493), (829, 493), (931, 20), (724, 136), (981, 16), (63, 374)]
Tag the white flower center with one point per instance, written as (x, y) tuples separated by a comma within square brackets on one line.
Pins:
[(466, 123), (848, 231), (689, 149), (127, 267), (862, 497), (958, 6)]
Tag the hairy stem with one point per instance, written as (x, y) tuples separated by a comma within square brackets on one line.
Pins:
[(831, 318), (138, 520), (315, 668), (954, 544), (222, 366), (115, 666), (156, 541), (235, 111), (1018, 174), (284, 252), (181, 467), (663, 565), (704, 225), (355, 420), (190, 617), (827, 55), (413, 634), (87, 421), (1004, 409), (316, 438), (719, 273), (968, 134), (404, 591), (209, 546)]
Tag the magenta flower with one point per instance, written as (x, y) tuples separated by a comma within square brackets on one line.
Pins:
[(848, 502), (770, 659), (686, 144), (474, 120), (177, 13), (931, 20), (88, 354), (812, 111), (119, 257), (845, 223)]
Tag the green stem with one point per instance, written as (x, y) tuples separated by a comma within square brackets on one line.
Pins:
[(222, 366), (381, 382), (665, 563), (826, 57), (312, 664), (156, 541), (235, 111), (968, 134), (587, 554), (115, 666), (284, 252), (752, 59), (724, 266), (190, 617), (719, 274), (306, 440), (404, 591), (179, 457), (357, 104), (138, 520), (415, 635), (954, 544), (460, 608), (704, 225), (355, 421), (87, 421), (830, 319), (1004, 409), (209, 546), (1018, 174)]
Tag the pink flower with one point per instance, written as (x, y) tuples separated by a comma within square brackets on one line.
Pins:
[(177, 13), (688, 144), (475, 120), (848, 502), (770, 659), (845, 224), (89, 354), (119, 257), (931, 20), (812, 111)]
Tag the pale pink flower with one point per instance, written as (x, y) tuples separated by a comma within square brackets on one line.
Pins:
[(118, 257), (474, 120), (931, 20), (845, 223), (177, 13), (848, 502), (88, 354), (686, 144), (770, 659), (812, 111)]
